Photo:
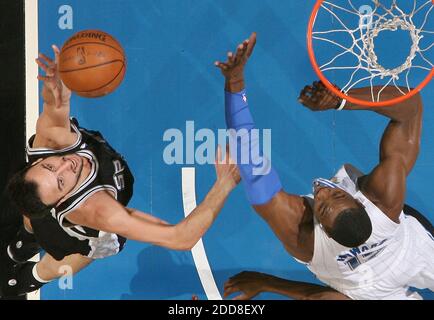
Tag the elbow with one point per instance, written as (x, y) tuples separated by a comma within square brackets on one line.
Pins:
[(181, 246), (188, 244), (185, 247), (182, 240), (410, 108), (416, 105)]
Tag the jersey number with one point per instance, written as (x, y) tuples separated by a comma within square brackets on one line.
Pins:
[(118, 177)]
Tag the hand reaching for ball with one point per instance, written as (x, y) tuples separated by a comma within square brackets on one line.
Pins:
[(54, 93)]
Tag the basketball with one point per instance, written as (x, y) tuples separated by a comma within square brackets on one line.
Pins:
[(92, 63)]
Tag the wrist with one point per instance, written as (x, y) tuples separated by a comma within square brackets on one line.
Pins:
[(340, 104), (224, 185), (235, 84), (268, 283)]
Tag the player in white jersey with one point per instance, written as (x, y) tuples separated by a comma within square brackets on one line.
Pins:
[(351, 232)]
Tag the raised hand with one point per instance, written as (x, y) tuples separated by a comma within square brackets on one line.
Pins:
[(233, 68), (54, 93), (226, 169), (318, 98)]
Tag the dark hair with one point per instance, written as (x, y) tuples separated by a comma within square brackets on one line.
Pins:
[(352, 227), (25, 196)]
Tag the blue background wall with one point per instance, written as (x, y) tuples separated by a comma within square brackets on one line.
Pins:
[(171, 46)]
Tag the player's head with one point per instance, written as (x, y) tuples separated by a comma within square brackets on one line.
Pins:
[(41, 186), (342, 217)]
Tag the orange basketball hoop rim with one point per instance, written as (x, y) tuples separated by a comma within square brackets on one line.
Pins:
[(339, 93)]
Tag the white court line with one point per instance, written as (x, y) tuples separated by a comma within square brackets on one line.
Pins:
[(199, 254), (32, 89)]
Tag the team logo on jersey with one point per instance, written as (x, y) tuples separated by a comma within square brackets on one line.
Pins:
[(335, 180), (118, 176), (355, 257)]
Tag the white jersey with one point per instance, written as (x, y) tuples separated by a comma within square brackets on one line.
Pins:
[(395, 257)]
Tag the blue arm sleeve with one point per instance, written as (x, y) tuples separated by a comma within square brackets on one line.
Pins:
[(261, 182)]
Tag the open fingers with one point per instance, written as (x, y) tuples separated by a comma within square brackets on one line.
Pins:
[(242, 296), (245, 49), (56, 53), (305, 93), (42, 65), (313, 91), (228, 283), (306, 101), (218, 159), (230, 290), (47, 60), (319, 86), (44, 78), (229, 159), (221, 65), (308, 90), (251, 44), (49, 71), (241, 50), (231, 58)]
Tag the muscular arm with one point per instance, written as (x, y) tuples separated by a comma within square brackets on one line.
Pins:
[(302, 290), (286, 216), (399, 149), (103, 213), (283, 212), (253, 283), (385, 186)]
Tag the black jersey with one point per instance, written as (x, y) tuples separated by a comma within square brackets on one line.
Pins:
[(109, 172)]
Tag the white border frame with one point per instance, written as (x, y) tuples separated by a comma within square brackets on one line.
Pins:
[(32, 84)]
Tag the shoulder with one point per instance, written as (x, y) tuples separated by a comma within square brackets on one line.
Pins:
[(291, 217), (385, 187), (94, 209)]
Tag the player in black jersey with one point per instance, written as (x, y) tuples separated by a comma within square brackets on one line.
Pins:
[(74, 195)]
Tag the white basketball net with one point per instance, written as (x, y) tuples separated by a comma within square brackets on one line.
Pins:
[(370, 25)]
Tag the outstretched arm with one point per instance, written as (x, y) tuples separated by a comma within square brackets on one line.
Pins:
[(103, 213), (259, 178), (283, 212), (250, 284), (399, 148), (53, 127)]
